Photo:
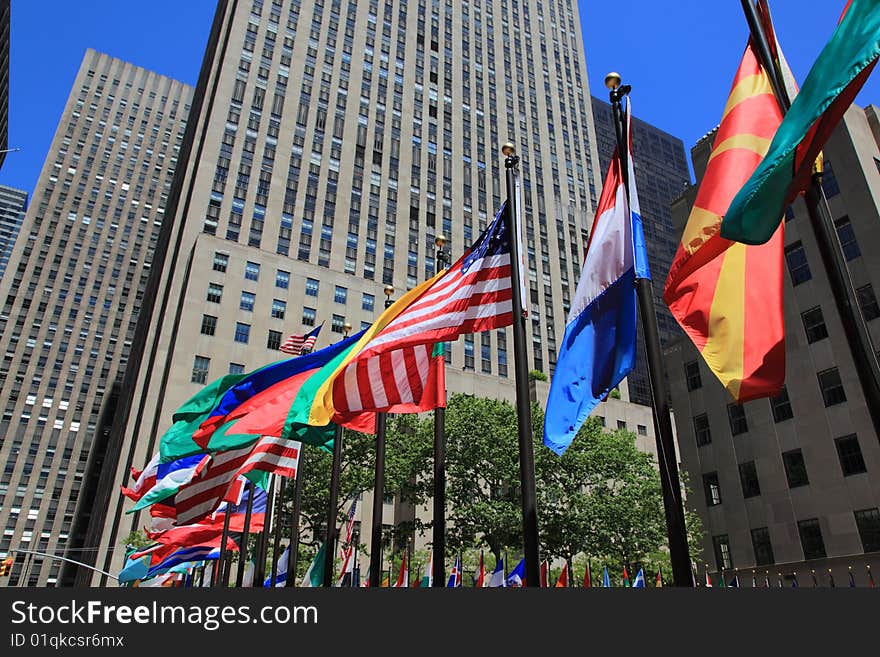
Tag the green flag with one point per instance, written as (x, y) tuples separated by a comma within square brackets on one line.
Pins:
[(314, 576), (830, 88)]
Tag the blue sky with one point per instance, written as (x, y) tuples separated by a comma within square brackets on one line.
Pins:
[(680, 56)]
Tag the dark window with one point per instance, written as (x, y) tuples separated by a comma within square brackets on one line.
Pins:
[(811, 539), (762, 546), (692, 374), (621, 424), (868, 302), (722, 552), (247, 301), (814, 324), (215, 292), (236, 368), (242, 332), (847, 237), (829, 180), (868, 522), (308, 318), (701, 430), (209, 324), (221, 262), (850, 454), (252, 271), (831, 386), (795, 468), (798, 266), (781, 406), (274, 340), (200, 369), (643, 430), (748, 476), (282, 279), (311, 287), (337, 323), (340, 294), (368, 302), (712, 489), (279, 308), (737, 416)]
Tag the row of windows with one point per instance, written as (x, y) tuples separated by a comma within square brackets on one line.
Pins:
[(849, 454), (810, 533)]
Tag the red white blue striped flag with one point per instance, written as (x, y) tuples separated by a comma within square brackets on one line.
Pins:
[(297, 344)]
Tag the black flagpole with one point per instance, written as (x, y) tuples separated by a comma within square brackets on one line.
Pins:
[(276, 540), (293, 557), (439, 531), (843, 290), (671, 487), (263, 544), (216, 574), (330, 541), (520, 359), (245, 533)]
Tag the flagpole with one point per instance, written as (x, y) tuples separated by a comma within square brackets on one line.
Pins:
[(335, 472), (843, 290), (293, 557), (669, 481), (224, 537), (263, 544), (245, 532), (439, 530), (276, 540), (520, 359)]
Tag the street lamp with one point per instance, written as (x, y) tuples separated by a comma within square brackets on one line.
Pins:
[(389, 290), (346, 329), (442, 254)]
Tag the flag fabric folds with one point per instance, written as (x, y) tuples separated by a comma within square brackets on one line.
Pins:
[(659, 581), (144, 480), (497, 580), (402, 581), (427, 580), (297, 344), (728, 297), (599, 346), (280, 570), (545, 570), (314, 576), (455, 575), (171, 477), (606, 578), (517, 577), (588, 577), (562, 581), (480, 579), (833, 83), (639, 581)]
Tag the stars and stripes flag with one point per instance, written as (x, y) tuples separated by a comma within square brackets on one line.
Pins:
[(297, 344), (220, 480), (349, 530)]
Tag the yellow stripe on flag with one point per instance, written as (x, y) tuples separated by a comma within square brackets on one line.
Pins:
[(752, 143), (701, 225), (749, 87)]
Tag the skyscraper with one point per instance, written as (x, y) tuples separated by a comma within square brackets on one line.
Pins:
[(334, 139), (661, 175), (13, 203), (792, 484), (72, 291)]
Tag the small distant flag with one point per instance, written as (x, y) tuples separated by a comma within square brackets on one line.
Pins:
[(314, 576), (295, 345), (562, 582), (455, 576), (794, 581), (480, 581), (831, 579), (708, 577), (349, 529), (606, 580), (497, 579), (517, 576), (639, 582), (588, 577), (815, 581), (625, 578), (870, 578), (545, 567), (659, 581), (755, 579), (734, 583), (428, 577), (402, 575), (280, 570), (852, 580)]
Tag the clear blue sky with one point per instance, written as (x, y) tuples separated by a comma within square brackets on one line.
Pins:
[(680, 56)]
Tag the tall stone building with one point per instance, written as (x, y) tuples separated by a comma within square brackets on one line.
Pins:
[(661, 175), (792, 484), (13, 203), (72, 291), (332, 141)]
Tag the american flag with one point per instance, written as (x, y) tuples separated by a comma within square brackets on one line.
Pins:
[(349, 527), (473, 295), (297, 344)]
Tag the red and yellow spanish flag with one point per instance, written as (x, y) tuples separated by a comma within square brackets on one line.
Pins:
[(728, 296)]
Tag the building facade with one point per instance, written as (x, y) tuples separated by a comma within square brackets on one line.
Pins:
[(72, 292), (13, 203), (792, 484), (335, 139), (661, 175)]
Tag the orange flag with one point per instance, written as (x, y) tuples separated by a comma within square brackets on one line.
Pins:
[(563, 578)]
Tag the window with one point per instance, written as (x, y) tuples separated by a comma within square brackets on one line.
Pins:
[(368, 302), (712, 489), (847, 237), (274, 340), (868, 522), (337, 323), (868, 302), (762, 546), (829, 180), (209, 324), (814, 325), (795, 468), (722, 552), (279, 307), (215, 292), (200, 369), (252, 271), (798, 267), (781, 406), (621, 424), (736, 413), (850, 454), (242, 332), (236, 368), (643, 430), (701, 430), (748, 477), (247, 301), (311, 287), (340, 294), (811, 539), (221, 262), (692, 374), (308, 318), (282, 279), (831, 386)]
